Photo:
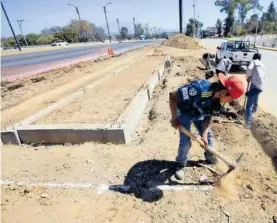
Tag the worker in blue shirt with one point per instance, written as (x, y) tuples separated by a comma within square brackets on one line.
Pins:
[(196, 103)]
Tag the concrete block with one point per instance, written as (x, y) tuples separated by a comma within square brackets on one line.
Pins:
[(10, 137), (71, 133)]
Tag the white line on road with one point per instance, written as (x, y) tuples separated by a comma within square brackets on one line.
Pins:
[(101, 188)]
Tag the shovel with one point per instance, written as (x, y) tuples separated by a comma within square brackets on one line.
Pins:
[(230, 164)]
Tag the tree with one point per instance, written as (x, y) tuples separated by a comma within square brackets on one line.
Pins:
[(139, 30), (190, 27), (48, 31), (42, 40), (124, 32), (164, 35), (219, 27), (228, 6), (68, 34), (50, 38), (252, 23), (271, 13), (32, 38), (98, 33), (244, 6), (228, 25)]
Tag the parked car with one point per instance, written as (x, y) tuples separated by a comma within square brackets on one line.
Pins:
[(59, 43), (239, 52)]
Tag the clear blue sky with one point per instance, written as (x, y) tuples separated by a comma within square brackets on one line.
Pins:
[(159, 13)]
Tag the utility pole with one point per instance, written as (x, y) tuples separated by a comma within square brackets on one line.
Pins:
[(181, 15), (104, 7), (20, 27), (118, 26), (194, 25), (17, 43), (147, 32), (79, 17), (135, 28)]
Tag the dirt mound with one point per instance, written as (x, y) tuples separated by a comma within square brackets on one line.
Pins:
[(183, 42)]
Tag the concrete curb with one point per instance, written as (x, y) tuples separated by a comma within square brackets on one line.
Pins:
[(132, 114), (70, 133), (119, 132), (267, 48)]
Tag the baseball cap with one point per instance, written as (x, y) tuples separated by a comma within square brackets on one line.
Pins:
[(233, 85)]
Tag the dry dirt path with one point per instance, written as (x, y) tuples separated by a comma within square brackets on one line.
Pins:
[(250, 193)]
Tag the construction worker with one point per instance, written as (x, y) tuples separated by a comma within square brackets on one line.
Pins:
[(209, 61), (256, 78), (196, 103), (224, 66)]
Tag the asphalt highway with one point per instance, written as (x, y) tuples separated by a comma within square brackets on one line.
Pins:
[(13, 61)]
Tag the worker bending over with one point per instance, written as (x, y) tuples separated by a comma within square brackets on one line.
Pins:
[(196, 103)]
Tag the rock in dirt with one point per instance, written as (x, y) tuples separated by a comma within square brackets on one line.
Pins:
[(248, 186), (181, 41), (44, 195), (263, 206)]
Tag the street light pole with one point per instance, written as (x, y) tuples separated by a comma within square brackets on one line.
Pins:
[(105, 12), (79, 17), (135, 28), (20, 27), (118, 26), (17, 43)]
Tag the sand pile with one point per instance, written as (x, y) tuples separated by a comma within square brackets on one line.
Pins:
[(183, 42)]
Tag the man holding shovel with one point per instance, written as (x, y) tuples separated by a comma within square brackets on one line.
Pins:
[(196, 103), (256, 78)]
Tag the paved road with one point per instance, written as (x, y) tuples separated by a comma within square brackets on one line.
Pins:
[(269, 58), (13, 61)]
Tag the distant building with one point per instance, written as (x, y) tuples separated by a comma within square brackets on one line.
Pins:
[(211, 31)]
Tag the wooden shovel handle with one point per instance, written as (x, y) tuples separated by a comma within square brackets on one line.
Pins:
[(211, 150)]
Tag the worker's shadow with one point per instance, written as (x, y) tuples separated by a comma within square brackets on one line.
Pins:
[(144, 177)]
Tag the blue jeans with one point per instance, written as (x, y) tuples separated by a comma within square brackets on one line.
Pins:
[(185, 141), (252, 103)]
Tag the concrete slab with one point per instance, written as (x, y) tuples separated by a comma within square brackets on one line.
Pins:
[(10, 137), (71, 133)]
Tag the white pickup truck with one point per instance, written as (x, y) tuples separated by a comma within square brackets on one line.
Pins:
[(240, 52)]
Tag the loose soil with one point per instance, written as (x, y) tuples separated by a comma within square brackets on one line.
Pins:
[(248, 195), (183, 42), (106, 102), (23, 98)]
